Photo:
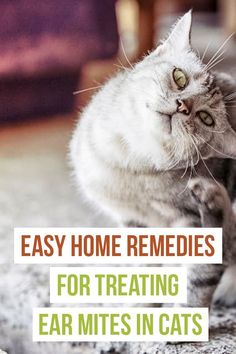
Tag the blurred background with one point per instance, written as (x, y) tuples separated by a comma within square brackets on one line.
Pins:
[(51, 49)]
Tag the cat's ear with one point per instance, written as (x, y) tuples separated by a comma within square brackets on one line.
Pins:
[(228, 145), (180, 36)]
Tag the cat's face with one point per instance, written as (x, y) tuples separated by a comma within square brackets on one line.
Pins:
[(182, 105)]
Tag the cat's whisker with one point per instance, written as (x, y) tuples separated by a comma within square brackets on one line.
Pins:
[(174, 162), (220, 48), (87, 89), (195, 146), (214, 64), (190, 176), (209, 66), (183, 133), (205, 51), (208, 170), (219, 152), (211, 175), (185, 147), (125, 55), (122, 65), (171, 158), (214, 131), (119, 66), (187, 164), (216, 58)]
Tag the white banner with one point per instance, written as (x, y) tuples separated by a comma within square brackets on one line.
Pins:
[(117, 245), (118, 285), (120, 324)]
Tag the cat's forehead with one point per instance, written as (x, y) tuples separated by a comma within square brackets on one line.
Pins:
[(187, 59)]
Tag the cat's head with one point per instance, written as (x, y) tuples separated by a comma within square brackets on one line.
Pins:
[(181, 110)]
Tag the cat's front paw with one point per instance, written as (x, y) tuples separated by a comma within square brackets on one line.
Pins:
[(208, 195), (225, 294)]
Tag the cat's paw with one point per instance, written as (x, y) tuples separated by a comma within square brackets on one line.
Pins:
[(208, 194), (225, 294)]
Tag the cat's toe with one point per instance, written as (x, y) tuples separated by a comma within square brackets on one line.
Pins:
[(207, 194)]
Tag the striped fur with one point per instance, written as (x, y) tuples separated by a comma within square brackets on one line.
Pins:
[(136, 156)]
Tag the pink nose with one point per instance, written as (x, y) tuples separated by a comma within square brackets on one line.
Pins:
[(182, 107)]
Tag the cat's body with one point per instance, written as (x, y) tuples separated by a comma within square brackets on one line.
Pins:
[(158, 202), (130, 152)]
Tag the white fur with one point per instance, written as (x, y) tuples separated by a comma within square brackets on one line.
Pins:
[(226, 291), (129, 155), (126, 128)]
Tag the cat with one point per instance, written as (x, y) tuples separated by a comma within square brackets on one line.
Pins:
[(155, 147)]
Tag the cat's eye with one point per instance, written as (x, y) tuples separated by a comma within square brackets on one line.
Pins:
[(180, 78), (206, 118)]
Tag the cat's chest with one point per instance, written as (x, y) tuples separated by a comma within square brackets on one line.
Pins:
[(167, 186), (164, 193), (171, 195)]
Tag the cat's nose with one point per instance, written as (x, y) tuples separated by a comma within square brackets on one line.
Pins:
[(183, 107)]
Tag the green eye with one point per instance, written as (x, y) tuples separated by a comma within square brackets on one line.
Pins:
[(180, 78), (206, 118)]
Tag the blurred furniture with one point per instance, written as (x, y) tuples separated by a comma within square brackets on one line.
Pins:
[(146, 25), (43, 45), (228, 10), (150, 10)]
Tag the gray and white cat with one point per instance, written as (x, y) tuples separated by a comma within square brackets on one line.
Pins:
[(151, 144)]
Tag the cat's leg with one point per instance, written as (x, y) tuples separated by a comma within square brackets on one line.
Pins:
[(224, 216), (216, 211)]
